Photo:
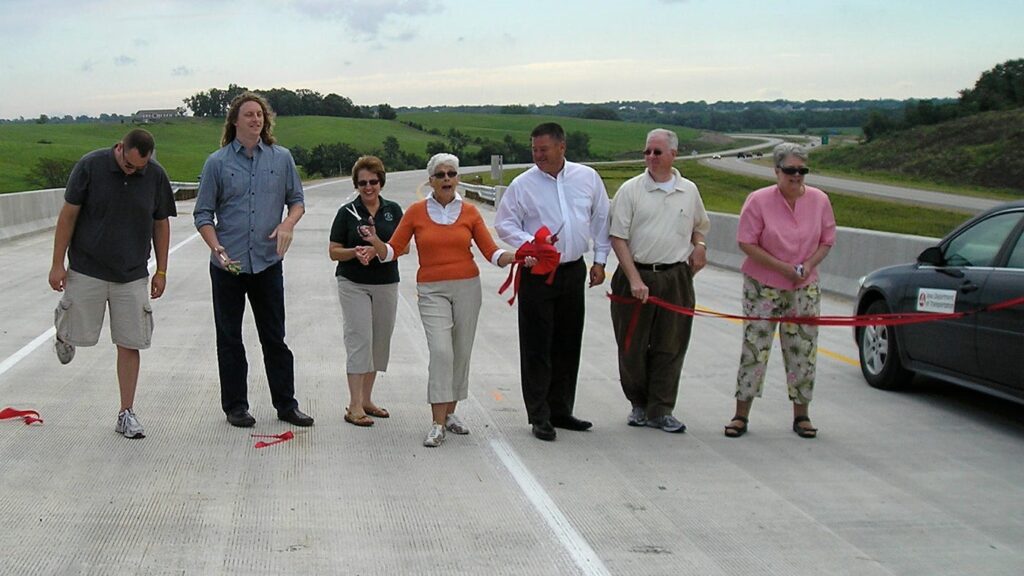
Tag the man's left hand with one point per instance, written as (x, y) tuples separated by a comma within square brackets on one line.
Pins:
[(283, 233), (698, 258), (596, 275), (157, 286)]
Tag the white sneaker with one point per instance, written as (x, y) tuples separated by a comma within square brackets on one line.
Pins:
[(65, 352), (435, 437), (668, 423), (637, 417), (129, 425), (454, 425)]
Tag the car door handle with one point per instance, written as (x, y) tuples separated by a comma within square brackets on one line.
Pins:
[(968, 287)]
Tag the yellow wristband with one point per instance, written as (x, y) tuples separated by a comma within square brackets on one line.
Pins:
[(162, 272)]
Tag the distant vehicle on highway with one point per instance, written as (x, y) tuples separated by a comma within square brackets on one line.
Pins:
[(716, 157), (979, 264)]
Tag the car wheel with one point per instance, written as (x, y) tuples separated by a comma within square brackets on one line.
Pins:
[(880, 354)]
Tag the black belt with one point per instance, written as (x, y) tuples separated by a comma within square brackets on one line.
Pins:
[(656, 267), (576, 261)]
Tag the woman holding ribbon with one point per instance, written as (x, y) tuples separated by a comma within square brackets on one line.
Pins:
[(785, 230), (447, 283), (368, 290)]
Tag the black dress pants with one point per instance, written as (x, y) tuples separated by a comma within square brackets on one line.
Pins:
[(550, 338)]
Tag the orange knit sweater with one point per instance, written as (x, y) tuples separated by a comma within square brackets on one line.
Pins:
[(444, 249)]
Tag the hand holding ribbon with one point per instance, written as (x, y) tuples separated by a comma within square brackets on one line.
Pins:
[(542, 250)]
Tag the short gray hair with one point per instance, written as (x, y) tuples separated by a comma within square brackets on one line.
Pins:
[(673, 140), (787, 149), (440, 160)]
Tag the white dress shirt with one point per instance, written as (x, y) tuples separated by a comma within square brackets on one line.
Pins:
[(574, 205)]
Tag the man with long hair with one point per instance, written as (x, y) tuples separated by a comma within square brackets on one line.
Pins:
[(243, 191)]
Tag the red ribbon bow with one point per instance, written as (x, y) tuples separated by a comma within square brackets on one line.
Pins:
[(28, 416), (547, 261), (279, 438)]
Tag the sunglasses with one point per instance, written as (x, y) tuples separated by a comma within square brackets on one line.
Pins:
[(440, 175), (655, 151), (362, 183), (803, 170)]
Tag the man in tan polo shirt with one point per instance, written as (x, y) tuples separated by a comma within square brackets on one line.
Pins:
[(658, 225)]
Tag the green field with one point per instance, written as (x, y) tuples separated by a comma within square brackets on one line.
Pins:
[(609, 140), (184, 144), (725, 192)]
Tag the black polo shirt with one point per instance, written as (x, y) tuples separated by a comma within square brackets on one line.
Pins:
[(114, 230), (344, 231)]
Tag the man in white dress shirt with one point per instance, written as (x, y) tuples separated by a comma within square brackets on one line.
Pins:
[(570, 199)]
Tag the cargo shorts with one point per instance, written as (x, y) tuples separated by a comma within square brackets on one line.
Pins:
[(79, 314)]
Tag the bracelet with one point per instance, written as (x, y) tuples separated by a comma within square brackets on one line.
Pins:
[(162, 273), (701, 243)]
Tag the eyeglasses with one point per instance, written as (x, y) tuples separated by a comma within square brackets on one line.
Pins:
[(655, 151), (440, 175), (802, 170), (362, 183)]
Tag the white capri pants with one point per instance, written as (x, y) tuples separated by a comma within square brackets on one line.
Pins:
[(449, 311), (368, 318)]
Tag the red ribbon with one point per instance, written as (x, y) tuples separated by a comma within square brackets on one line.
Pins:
[(279, 438), (28, 416), (888, 319), (547, 261)]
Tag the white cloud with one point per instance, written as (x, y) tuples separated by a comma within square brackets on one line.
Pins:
[(363, 16), (182, 71), (123, 60)]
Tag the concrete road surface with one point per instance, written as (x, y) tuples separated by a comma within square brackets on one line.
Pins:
[(919, 483)]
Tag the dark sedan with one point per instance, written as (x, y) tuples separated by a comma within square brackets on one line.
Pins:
[(979, 264)]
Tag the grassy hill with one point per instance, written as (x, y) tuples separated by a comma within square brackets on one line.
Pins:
[(982, 150), (184, 144), (609, 140)]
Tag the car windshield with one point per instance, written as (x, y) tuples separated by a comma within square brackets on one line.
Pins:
[(979, 245)]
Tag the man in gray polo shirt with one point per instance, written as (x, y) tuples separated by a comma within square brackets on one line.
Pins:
[(116, 205), (657, 229)]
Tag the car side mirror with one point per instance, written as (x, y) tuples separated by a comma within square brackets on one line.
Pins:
[(932, 256)]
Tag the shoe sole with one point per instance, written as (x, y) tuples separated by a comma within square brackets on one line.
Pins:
[(636, 423)]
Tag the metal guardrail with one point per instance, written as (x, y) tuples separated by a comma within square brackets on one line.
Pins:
[(484, 192)]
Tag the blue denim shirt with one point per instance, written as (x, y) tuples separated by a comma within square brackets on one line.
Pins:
[(244, 199)]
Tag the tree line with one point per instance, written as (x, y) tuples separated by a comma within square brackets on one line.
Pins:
[(213, 103), (1000, 88)]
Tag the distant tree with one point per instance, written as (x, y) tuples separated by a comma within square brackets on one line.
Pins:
[(487, 149), (515, 109), (436, 147), (457, 141), (577, 146), (516, 152), (330, 160), (386, 112), (392, 149), (1000, 88), (51, 172), (43, 119), (599, 113), (878, 124)]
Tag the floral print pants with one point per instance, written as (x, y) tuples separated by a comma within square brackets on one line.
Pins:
[(799, 341)]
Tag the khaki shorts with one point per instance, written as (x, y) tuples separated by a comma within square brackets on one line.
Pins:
[(79, 315)]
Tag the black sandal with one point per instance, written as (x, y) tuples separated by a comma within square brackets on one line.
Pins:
[(737, 431), (804, 431)]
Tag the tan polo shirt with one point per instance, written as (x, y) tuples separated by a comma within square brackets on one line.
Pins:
[(658, 225)]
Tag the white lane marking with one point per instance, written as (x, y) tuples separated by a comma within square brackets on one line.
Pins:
[(45, 337), (582, 554)]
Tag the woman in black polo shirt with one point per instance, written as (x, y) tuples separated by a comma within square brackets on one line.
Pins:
[(367, 288)]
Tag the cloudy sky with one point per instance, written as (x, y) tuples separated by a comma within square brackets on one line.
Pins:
[(86, 57)]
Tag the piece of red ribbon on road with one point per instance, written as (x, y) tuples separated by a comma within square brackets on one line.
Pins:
[(547, 257), (888, 319), (28, 416), (278, 438)]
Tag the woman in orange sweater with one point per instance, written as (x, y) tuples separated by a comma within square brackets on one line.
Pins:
[(448, 285)]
